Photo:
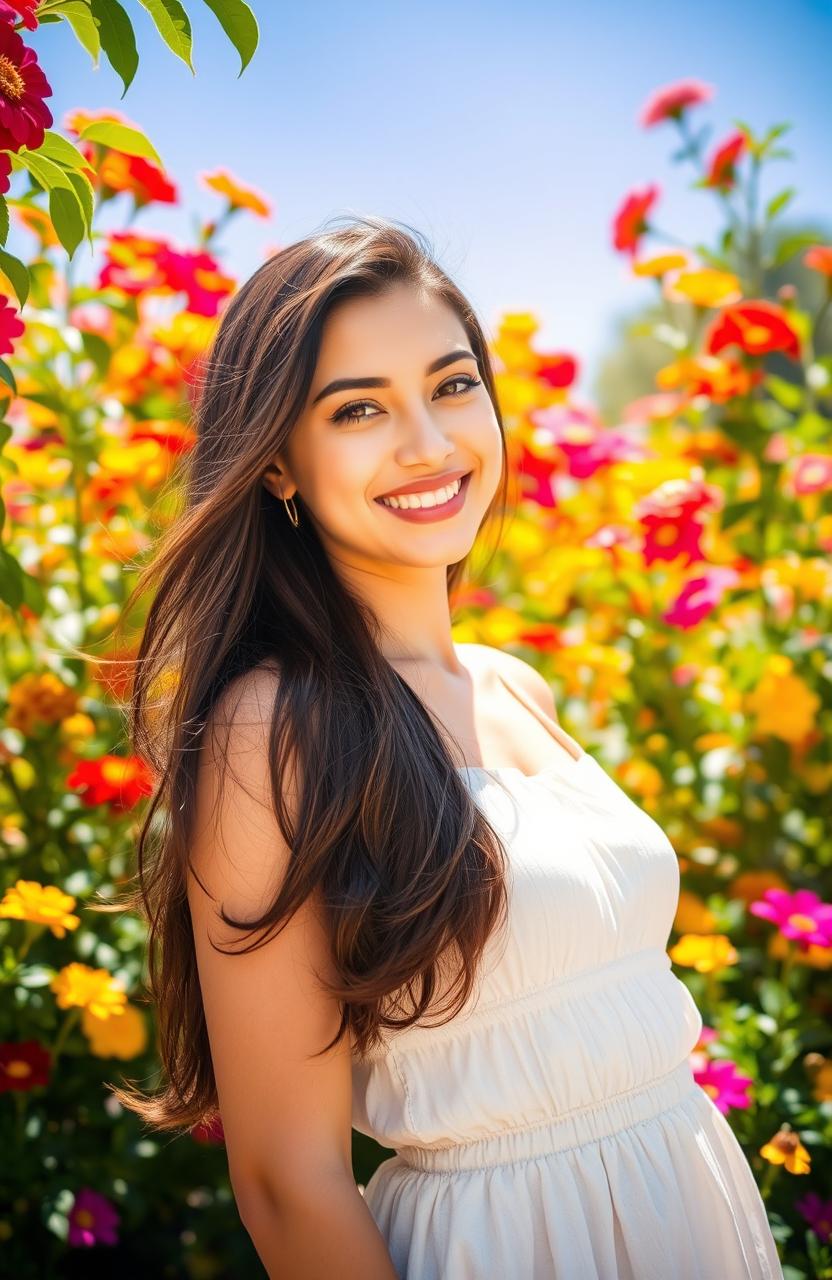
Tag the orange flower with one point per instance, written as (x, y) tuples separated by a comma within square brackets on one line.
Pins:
[(786, 1148), (819, 258), (239, 197), (119, 781), (756, 327)]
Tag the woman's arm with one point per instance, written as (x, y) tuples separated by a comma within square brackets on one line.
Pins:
[(286, 1116)]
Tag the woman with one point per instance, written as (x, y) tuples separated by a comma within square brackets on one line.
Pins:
[(454, 921)]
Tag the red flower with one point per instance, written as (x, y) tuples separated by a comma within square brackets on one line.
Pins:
[(209, 1131), (630, 221), (23, 114), (23, 1065), (92, 1220), (5, 170), (119, 781), (670, 102), (756, 327), (721, 168), (11, 326), (11, 10)]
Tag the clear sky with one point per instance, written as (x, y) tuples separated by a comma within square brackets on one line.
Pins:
[(506, 132)]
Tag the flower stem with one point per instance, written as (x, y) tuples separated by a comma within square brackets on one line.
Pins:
[(60, 1040)]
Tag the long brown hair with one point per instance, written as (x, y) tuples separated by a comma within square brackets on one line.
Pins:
[(408, 868)]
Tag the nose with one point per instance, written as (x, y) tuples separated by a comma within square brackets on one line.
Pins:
[(424, 439)]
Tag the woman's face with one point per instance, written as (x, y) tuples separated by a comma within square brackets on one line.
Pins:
[(418, 424)]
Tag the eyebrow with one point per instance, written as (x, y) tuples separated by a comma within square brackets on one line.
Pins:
[(350, 384)]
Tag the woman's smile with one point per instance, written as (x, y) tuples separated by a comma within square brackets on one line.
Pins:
[(441, 510)]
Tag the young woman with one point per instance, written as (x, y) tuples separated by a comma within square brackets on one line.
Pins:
[(390, 891)]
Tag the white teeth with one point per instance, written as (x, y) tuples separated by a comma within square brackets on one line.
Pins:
[(434, 499)]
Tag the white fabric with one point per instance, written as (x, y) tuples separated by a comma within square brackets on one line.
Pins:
[(553, 1130)]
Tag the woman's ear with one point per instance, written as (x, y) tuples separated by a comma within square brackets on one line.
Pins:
[(276, 483)]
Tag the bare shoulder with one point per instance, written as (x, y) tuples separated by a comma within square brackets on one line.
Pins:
[(522, 673)]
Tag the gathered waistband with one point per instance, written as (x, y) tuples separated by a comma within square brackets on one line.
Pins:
[(572, 1129)]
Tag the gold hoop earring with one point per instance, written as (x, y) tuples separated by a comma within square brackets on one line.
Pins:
[(293, 517)]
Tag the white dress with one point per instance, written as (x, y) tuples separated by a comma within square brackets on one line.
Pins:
[(554, 1130)]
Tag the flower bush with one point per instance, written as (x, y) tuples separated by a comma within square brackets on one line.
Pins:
[(668, 573)]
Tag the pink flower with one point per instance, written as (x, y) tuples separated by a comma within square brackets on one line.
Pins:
[(672, 101), (92, 1219), (818, 1213), (11, 326), (699, 597), (800, 916), (726, 1086), (812, 473)]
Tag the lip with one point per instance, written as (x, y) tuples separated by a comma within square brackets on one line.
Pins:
[(426, 484), (429, 515)]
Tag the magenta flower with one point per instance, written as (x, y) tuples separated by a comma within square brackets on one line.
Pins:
[(724, 1084), (818, 1213), (700, 596), (92, 1219), (800, 916)]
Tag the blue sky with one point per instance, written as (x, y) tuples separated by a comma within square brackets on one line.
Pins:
[(505, 132)]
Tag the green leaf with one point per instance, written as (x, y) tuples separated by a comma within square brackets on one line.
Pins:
[(240, 25), (118, 39), (86, 199), (67, 218), (173, 25), (61, 150), (98, 350), (785, 393), (121, 137), (7, 376), (11, 580), (792, 245), (43, 170), (778, 202), (79, 17), (18, 274), (737, 511), (4, 220)]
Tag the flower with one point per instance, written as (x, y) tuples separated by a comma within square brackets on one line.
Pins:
[(704, 287), (704, 954), (692, 915), (819, 258), (24, 116), (124, 1036), (724, 1085), (78, 985), (239, 196), (11, 326), (700, 596), (800, 916), (671, 102), (40, 904), (23, 1065), (119, 781), (39, 697), (720, 171), (92, 1219), (786, 1148), (818, 1213), (783, 703), (630, 221), (11, 10), (756, 327), (812, 473), (209, 1130)]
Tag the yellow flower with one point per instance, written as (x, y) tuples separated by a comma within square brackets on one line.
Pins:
[(786, 1148), (87, 988), (706, 287), (704, 954), (40, 904), (124, 1036)]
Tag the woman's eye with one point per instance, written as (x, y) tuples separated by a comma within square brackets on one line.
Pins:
[(349, 414)]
